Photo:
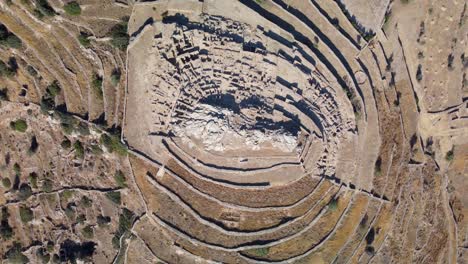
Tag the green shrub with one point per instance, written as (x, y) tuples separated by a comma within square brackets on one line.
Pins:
[(9, 39), (79, 149), (72, 8), (15, 254), (120, 38), (5, 70), (86, 202), (47, 185), (112, 143), (4, 94), (115, 77), (119, 178), (70, 211), (66, 143), (449, 155), (114, 197), (261, 251), (333, 204), (96, 83), (6, 183), (30, 69), (6, 232), (126, 219), (96, 150), (84, 40), (42, 255), (33, 179), (44, 8), (34, 145), (67, 194), (26, 214), (53, 89), (103, 220), (25, 191), (19, 125), (87, 232), (13, 41), (17, 169)]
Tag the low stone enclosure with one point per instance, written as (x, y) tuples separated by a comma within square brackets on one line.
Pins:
[(264, 135)]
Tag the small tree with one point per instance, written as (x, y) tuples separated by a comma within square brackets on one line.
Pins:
[(72, 8)]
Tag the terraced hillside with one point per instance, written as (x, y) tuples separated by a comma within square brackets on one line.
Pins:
[(249, 131)]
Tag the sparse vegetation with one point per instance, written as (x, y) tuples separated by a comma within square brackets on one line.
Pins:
[(119, 178), (72, 8), (87, 232), (86, 202), (67, 194), (126, 219), (114, 197)]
